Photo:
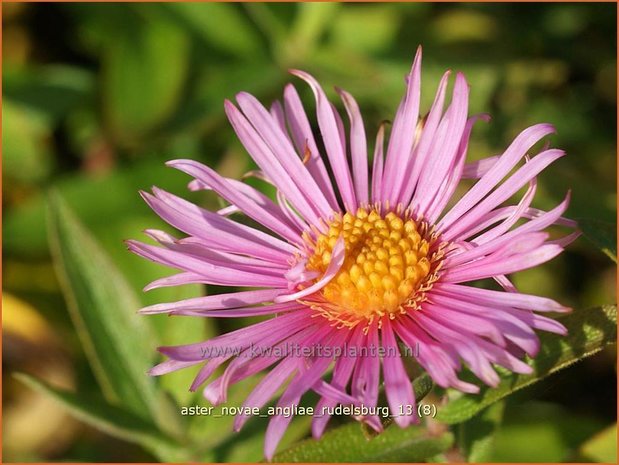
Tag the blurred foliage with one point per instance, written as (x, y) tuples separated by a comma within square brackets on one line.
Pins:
[(97, 96)]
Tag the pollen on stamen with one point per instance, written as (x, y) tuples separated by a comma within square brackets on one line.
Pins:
[(387, 261)]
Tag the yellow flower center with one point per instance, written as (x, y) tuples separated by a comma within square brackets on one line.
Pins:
[(386, 262)]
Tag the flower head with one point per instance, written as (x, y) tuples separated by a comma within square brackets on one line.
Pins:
[(374, 259)]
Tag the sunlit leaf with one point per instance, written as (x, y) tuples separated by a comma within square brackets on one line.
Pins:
[(602, 447), (367, 28), (25, 143), (460, 25)]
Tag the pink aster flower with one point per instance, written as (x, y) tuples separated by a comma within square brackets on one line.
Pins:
[(380, 256)]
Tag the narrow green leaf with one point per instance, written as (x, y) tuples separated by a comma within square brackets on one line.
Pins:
[(312, 20), (110, 419), (476, 436), (589, 332), (602, 234), (349, 444), (102, 306), (270, 24)]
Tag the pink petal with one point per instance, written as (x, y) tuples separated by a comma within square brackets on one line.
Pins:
[(476, 169), (421, 151), (337, 260), (377, 166), (219, 232), (236, 340), (509, 299), (178, 279), (502, 265), (212, 274), (452, 180), (215, 302), (445, 148), (516, 151), (504, 191), (398, 387), (328, 124), (358, 147), (170, 366), (255, 205), (292, 395), (283, 150), (402, 133), (304, 140), (272, 164)]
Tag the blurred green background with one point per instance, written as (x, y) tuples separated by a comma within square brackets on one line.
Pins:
[(98, 96)]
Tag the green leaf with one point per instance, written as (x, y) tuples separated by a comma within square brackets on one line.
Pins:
[(112, 216), (270, 24), (25, 143), (144, 70), (422, 385), (602, 447), (213, 22), (476, 436), (349, 444), (102, 306), (110, 419), (205, 111), (51, 90), (537, 431), (366, 29), (589, 332), (311, 22), (602, 234)]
